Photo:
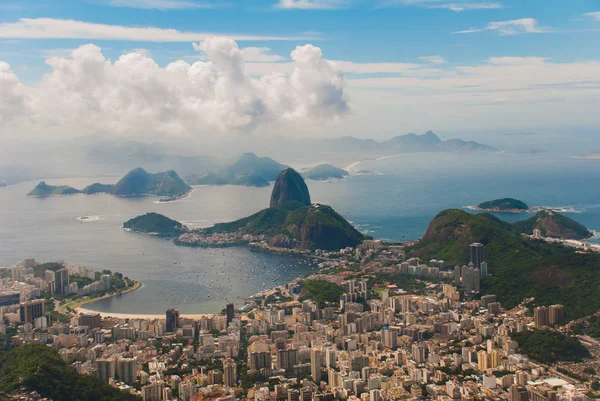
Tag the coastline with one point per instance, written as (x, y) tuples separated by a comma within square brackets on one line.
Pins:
[(141, 315), (77, 304)]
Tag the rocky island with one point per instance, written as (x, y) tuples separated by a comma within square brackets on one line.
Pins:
[(504, 205), (43, 189), (155, 224), (290, 222), (137, 182)]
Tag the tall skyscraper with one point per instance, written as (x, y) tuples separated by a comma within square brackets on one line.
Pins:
[(126, 370), (230, 313), (229, 373), (172, 320), (476, 254), (484, 269), (556, 314), (541, 316), (31, 310), (316, 363), (62, 281)]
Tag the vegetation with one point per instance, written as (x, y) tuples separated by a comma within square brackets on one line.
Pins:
[(154, 223), (39, 368), (548, 346), (321, 291), (43, 189), (554, 225), (136, 182), (504, 204), (140, 182), (97, 188), (520, 267), (291, 224), (325, 172), (590, 327)]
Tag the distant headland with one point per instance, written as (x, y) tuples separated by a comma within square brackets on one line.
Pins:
[(137, 182)]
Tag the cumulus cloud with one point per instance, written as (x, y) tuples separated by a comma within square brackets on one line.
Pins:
[(512, 27), (88, 93), (13, 100)]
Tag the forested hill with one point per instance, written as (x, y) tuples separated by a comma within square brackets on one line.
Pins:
[(520, 267)]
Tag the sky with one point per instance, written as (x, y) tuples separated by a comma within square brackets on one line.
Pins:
[(307, 68)]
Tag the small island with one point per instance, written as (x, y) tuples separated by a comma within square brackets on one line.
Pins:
[(504, 205), (324, 172), (155, 224), (43, 189)]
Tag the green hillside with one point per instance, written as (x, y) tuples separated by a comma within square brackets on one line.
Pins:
[(98, 188), (292, 224), (43, 189), (520, 267), (154, 223), (503, 204), (554, 225), (140, 182), (39, 368)]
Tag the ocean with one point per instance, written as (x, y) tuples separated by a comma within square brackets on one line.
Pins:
[(395, 203)]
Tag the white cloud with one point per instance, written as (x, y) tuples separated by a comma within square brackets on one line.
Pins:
[(433, 59), (260, 55), (595, 15), (85, 93), (161, 4), (444, 4), (468, 6), (50, 28), (143, 52), (312, 4), (13, 97), (512, 27)]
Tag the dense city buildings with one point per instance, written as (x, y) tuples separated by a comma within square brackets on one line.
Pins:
[(357, 335)]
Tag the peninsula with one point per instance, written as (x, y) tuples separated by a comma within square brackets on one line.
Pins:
[(291, 222)]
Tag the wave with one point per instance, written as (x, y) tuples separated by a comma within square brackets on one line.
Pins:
[(556, 209), (87, 219)]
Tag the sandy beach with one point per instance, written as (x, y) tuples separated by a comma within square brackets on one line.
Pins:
[(141, 316)]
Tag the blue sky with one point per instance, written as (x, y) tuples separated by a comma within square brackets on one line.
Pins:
[(447, 46)]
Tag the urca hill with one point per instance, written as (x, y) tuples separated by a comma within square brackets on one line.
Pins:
[(291, 221)]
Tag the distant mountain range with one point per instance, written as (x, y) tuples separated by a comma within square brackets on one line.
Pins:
[(409, 143), (100, 157), (247, 169)]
